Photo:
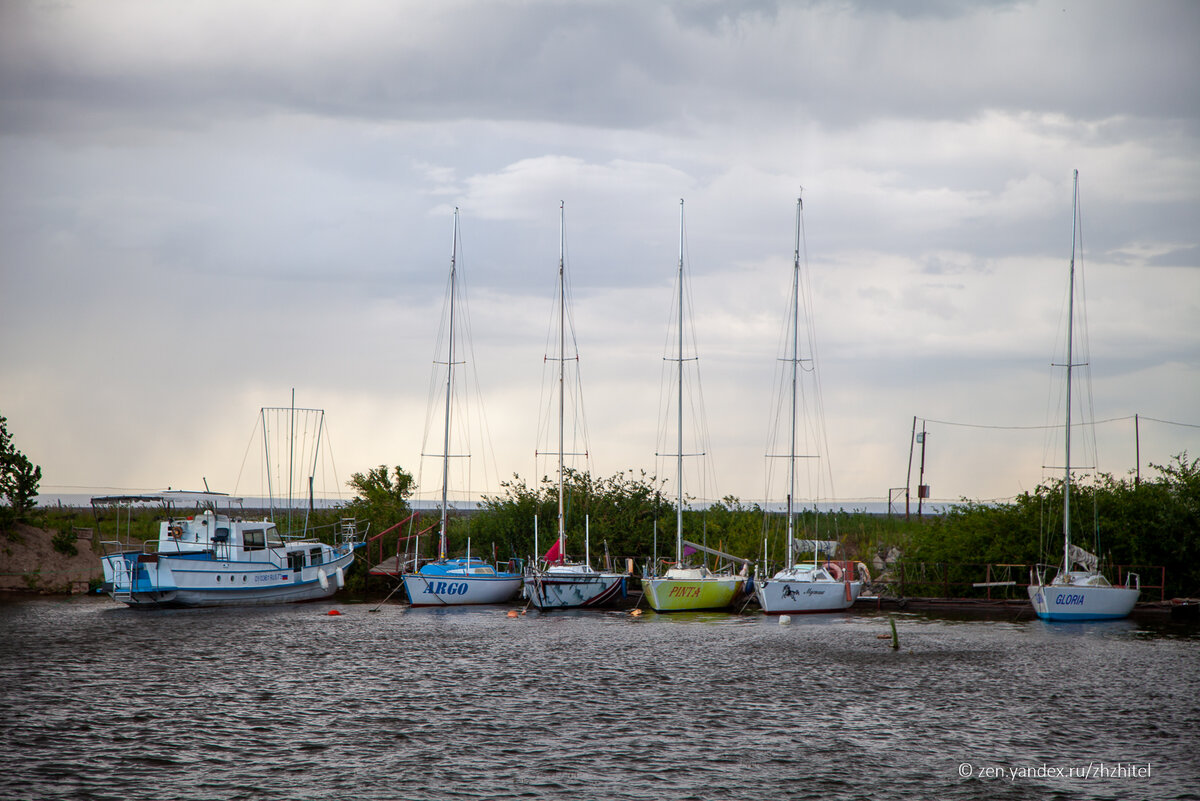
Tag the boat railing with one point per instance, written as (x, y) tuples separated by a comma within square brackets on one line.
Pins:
[(122, 579), (163, 546), (348, 533), (114, 547), (992, 581)]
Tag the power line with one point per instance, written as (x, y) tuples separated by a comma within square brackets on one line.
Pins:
[(1170, 422), (1046, 427)]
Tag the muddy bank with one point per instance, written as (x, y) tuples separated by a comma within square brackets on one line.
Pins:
[(30, 563)]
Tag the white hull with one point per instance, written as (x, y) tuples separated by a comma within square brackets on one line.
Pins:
[(460, 590), (574, 586), (1072, 601), (171, 581), (777, 597)]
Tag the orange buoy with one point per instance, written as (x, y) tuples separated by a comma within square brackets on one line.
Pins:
[(513, 613), (636, 612), (333, 612)]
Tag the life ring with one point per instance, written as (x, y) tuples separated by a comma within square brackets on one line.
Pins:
[(834, 570), (175, 531)]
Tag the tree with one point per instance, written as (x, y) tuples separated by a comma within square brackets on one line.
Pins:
[(19, 479), (381, 499), (618, 511)]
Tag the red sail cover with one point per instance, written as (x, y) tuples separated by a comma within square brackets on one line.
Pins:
[(554, 555)]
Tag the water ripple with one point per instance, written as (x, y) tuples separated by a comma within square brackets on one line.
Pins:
[(289, 703)]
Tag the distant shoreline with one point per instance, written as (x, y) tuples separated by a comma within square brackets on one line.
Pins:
[(259, 503)]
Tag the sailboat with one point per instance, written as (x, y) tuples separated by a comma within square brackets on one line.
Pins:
[(463, 580), (809, 587), (1084, 593), (560, 583), (683, 587)]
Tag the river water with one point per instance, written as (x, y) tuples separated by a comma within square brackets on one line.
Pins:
[(101, 702)]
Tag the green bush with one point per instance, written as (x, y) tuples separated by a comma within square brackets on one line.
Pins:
[(64, 542)]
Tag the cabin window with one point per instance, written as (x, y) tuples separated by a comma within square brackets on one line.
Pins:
[(314, 556), (273, 539), (253, 539), (296, 561)]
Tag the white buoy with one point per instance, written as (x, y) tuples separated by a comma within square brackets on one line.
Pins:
[(785, 619), (340, 575), (324, 579)]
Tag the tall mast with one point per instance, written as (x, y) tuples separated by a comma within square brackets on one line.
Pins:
[(562, 360), (267, 457), (679, 428), (1070, 359), (291, 456), (449, 387), (795, 364)]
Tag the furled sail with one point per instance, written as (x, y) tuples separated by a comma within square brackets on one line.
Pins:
[(826, 547), (1088, 561)]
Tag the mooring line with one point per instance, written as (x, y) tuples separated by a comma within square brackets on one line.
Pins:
[(389, 595)]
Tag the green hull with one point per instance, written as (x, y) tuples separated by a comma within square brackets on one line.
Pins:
[(677, 595)]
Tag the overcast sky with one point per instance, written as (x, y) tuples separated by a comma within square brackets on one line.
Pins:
[(206, 204)]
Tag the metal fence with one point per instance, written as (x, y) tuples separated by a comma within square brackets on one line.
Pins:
[(992, 581)]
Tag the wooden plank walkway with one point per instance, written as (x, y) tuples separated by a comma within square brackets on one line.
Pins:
[(388, 567)]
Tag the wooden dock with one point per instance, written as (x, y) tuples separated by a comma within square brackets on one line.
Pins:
[(388, 567)]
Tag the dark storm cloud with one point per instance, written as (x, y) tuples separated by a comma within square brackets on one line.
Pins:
[(624, 65)]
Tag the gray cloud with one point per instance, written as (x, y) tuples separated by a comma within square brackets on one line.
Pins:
[(598, 64), (225, 189)]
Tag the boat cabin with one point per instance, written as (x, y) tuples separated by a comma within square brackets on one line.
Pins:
[(238, 540), (207, 530)]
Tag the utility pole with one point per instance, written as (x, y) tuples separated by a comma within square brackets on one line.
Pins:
[(1137, 446), (908, 477), (922, 487)]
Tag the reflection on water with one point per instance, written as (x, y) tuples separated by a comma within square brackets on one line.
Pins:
[(287, 702)]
